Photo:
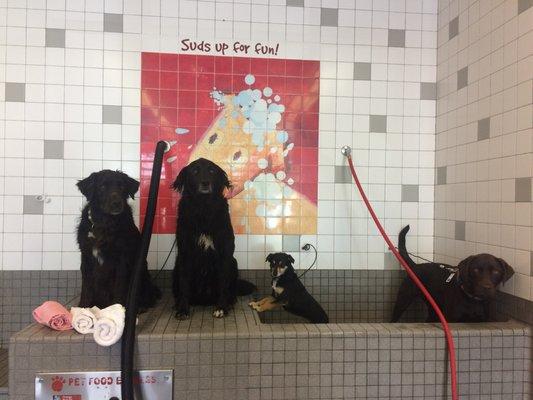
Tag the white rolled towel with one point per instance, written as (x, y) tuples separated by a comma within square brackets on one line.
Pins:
[(84, 319), (109, 325)]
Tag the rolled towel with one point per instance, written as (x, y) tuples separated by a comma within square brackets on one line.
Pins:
[(53, 315), (84, 319), (109, 325)]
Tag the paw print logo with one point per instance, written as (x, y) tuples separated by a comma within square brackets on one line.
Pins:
[(57, 383)]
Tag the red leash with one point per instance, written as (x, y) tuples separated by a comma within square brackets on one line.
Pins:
[(444, 323)]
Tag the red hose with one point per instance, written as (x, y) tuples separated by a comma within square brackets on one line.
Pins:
[(447, 331)]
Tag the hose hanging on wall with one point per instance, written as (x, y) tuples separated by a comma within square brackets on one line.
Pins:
[(128, 338), (346, 151)]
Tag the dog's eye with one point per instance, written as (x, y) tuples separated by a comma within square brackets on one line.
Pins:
[(195, 171), (477, 270), (495, 272), (211, 171)]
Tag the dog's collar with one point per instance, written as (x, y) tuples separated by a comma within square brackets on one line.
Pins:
[(463, 289), (452, 270), (454, 273)]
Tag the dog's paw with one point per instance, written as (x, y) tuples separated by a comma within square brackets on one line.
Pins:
[(252, 304), (182, 315), (219, 313)]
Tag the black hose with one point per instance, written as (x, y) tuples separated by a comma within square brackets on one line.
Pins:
[(128, 337)]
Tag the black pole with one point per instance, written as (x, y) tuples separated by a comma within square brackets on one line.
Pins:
[(128, 337)]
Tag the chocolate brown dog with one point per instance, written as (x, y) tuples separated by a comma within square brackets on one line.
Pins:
[(289, 292), (463, 293)]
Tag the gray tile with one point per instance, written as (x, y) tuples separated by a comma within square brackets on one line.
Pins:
[(291, 242), (15, 91), (390, 261), (523, 5), (442, 173), (378, 123), (483, 128), (53, 149), (460, 230), (410, 193), (453, 28), (362, 71), (111, 114), (462, 78), (396, 37), (428, 91), (55, 37), (113, 23), (31, 205), (295, 3), (522, 189), (342, 174), (329, 17)]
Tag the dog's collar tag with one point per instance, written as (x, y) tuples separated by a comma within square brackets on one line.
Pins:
[(450, 277)]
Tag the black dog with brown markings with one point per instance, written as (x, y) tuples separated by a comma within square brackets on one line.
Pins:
[(108, 240), (463, 293), (206, 272), (289, 292)]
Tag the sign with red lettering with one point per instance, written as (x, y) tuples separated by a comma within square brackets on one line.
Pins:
[(149, 385)]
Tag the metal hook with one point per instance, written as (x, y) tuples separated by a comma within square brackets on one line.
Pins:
[(346, 151)]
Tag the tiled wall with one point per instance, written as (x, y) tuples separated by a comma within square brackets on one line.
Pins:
[(484, 135), (70, 104)]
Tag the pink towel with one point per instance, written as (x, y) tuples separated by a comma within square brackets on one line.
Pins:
[(53, 315)]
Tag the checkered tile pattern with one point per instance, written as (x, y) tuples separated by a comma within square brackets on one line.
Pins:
[(71, 103), (241, 358), (484, 143)]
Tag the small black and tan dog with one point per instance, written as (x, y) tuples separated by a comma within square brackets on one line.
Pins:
[(463, 293), (289, 292), (108, 240)]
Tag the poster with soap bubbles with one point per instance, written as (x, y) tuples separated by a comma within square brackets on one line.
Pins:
[(256, 118)]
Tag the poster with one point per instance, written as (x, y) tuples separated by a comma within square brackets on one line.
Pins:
[(257, 118)]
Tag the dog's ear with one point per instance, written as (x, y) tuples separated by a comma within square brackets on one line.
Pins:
[(269, 258), (508, 271), (86, 186), (464, 268), (179, 182), (290, 258), (132, 185), (223, 178)]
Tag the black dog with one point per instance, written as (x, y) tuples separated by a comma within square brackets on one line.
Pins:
[(289, 292), (205, 272), (108, 240), (463, 293)]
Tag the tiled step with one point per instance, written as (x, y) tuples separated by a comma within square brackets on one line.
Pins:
[(3, 373)]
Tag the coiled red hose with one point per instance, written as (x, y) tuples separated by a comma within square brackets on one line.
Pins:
[(412, 275)]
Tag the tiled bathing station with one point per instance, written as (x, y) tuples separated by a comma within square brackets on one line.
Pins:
[(248, 356)]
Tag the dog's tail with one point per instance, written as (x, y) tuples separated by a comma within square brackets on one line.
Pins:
[(244, 288), (401, 246)]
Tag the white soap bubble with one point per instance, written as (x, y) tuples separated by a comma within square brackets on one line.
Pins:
[(249, 79), (281, 175), (262, 163)]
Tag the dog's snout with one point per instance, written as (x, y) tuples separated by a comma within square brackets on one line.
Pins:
[(204, 187), (116, 203)]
